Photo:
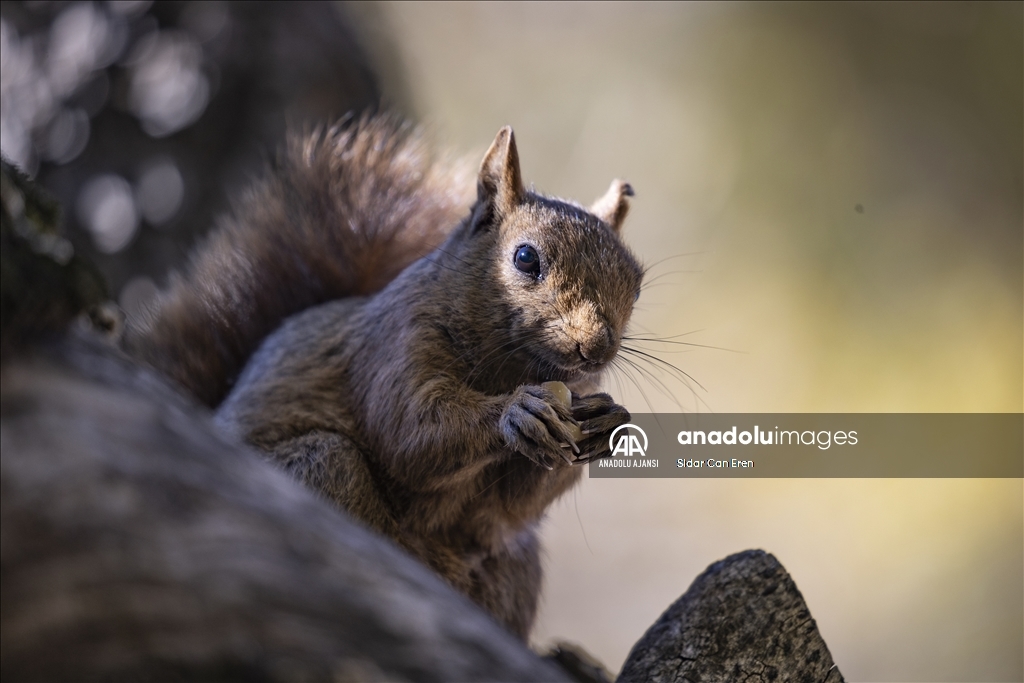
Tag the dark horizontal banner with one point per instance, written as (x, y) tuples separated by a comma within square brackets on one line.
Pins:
[(962, 445)]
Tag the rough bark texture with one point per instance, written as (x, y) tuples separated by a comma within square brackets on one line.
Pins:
[(137, 544), (743, 619)]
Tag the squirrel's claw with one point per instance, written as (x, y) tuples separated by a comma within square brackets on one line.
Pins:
[(537, 425), (598, 415)]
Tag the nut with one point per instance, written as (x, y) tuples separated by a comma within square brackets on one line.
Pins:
[(564, 396), (561, 392)]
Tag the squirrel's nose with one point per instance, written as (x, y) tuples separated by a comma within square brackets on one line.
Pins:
[(599, 347)]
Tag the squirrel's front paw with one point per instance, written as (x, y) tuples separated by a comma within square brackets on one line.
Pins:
[(598, 415), (539, 426)]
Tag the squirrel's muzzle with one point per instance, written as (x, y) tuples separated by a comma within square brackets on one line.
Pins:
[(599, 347)]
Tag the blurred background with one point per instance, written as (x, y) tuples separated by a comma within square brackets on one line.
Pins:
[(830, 195)]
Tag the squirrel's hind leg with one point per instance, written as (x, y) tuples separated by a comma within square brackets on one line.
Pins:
[(507, 584), (331, 464)]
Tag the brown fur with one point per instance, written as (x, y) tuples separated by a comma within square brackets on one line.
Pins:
[(418, 408), (345, 211)]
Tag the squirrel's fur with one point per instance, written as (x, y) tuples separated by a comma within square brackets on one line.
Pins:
[(417, 408), (343, 213)]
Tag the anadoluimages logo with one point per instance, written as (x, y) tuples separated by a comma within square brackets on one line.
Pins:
[(627, 444)]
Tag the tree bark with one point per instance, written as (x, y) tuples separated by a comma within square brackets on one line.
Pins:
[(743, 619), (139, 544)]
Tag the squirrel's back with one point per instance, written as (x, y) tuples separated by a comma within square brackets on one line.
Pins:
[(341, 214)]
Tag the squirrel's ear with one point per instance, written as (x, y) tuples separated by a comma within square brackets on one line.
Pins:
[(614, 205), (500, 180)]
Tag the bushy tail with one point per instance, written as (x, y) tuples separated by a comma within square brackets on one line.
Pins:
[(343, 213)]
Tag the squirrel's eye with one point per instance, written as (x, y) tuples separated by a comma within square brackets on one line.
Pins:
[(527, 260)]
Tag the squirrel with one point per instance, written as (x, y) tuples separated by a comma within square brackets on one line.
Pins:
[(412, 396)]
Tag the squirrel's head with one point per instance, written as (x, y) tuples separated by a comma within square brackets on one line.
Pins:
[(566, 281)]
